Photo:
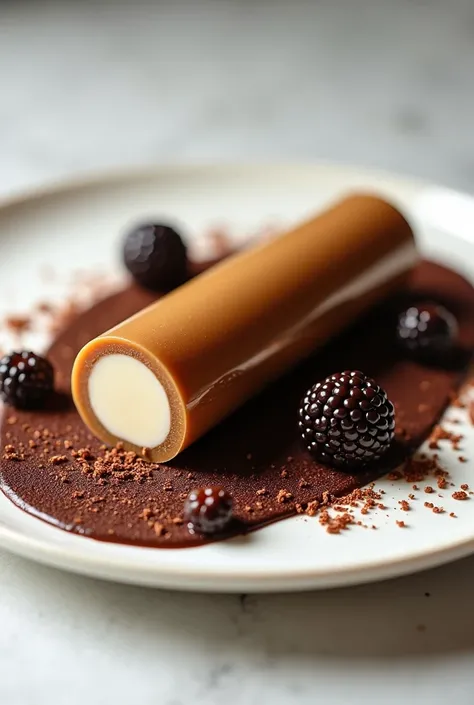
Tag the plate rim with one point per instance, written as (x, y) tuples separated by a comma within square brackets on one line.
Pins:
[(96, 177), (117, 569)]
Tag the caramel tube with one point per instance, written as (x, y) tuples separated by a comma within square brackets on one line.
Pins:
[(162, 378)]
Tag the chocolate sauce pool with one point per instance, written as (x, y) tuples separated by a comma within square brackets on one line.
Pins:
[(255, 454)]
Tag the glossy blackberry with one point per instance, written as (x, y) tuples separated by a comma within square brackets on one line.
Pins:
[(155, 255), (208, 510), (347, 420), (427, 331), (26, 379)]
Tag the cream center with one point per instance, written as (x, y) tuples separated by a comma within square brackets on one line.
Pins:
[(129, 401)]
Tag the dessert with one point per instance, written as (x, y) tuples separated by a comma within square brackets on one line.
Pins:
[(428, 331), (208, 510), (163, 378), (26, 379), (155, 255), (347, 420), (55, 469)]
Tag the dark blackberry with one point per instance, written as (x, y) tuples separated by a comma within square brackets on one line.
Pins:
[(208, 510), (155, 255), (427, 331), (347, 420), (26, 379)]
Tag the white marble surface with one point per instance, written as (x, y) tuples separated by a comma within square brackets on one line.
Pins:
[(87, 85)]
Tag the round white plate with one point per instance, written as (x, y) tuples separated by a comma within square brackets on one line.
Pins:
[(77, 226)]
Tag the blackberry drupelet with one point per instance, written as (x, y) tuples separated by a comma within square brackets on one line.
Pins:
[(26, 379), (427, 331), (155, 255), (208, 510), (347, 420)]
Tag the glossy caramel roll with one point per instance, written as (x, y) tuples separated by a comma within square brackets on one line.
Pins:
[(164, 377)]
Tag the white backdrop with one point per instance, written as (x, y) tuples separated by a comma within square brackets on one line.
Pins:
[(87, 84)]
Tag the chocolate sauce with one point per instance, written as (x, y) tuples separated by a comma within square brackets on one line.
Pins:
[(256, 453)]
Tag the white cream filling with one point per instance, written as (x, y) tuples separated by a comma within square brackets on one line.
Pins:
[(129, 401)]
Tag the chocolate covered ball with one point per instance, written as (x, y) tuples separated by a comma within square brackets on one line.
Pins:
[(155, 255)]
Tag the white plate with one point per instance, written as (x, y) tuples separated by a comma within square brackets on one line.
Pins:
[(77, 226)]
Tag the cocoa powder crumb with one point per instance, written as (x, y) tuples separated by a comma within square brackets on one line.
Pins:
[(58, 459), (404, 505), (462, 459), (324, 517), (429, 505), (441, 434), (263, 492), (84, 454), (401, 524), (312, 508), (12, 420), (159, 529), (429, 489), (284, 496), (464, 486), (394, 475), (460, 495), (45, 307), (18, 324), (339, 523), (326, 498)]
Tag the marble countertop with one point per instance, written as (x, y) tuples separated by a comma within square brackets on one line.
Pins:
[(95, 85)]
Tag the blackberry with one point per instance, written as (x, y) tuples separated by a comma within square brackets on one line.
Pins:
[(347, 420), (155, 255), (208, 510), (427, 331), (26, 379)]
